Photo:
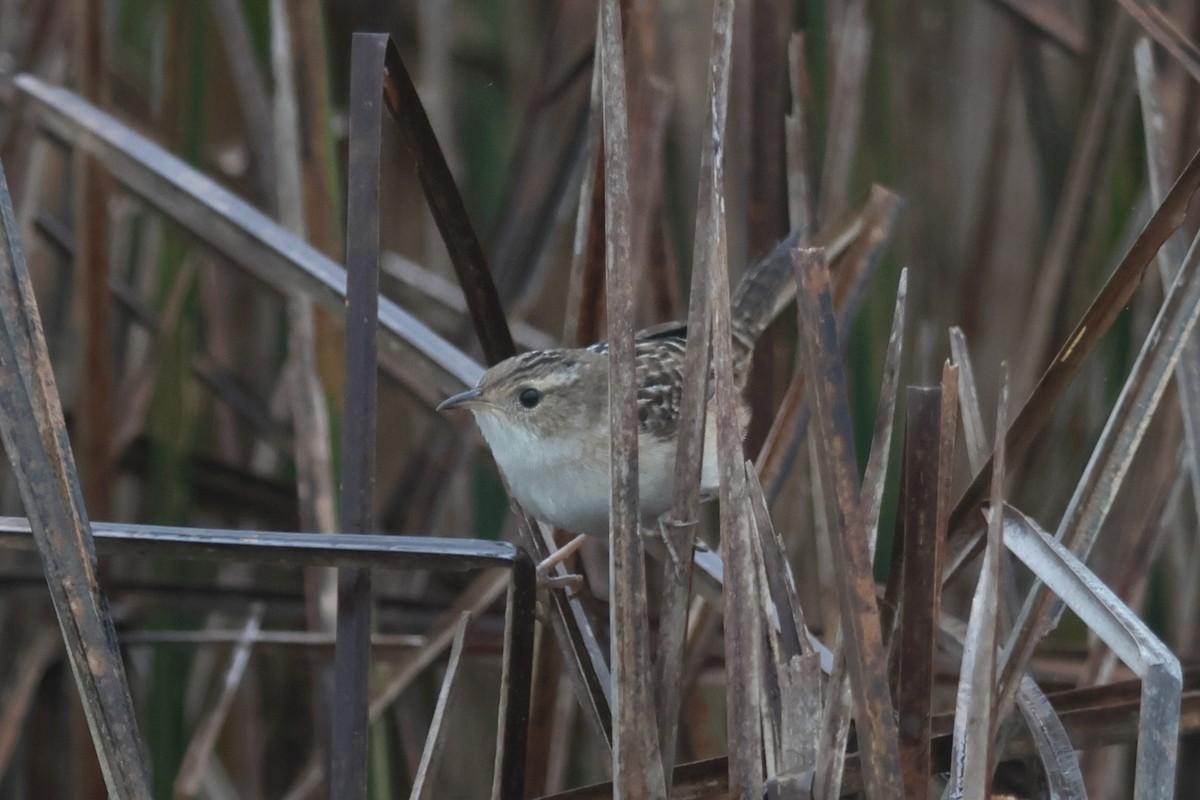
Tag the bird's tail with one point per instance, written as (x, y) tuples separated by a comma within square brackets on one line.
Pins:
[(765, 288)]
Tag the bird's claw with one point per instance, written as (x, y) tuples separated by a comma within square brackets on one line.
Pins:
[(548, 580), (570, 582), (667, 526)]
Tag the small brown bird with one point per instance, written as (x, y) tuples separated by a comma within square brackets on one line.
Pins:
[(545, 415)]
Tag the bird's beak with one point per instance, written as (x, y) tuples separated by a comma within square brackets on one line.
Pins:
[(461, 400)]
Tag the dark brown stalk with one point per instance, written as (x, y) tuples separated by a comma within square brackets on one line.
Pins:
[(637, 764), (710, 223), (441, 192), (93, 188), (767, 212), (583, 656), (865, 657), (918, 609), (742, 615), (348, 765), (445, 293), (35, 441), (760, 134), (871, 226), (948, 439), (836, 722), (516, 680), (585, 661)]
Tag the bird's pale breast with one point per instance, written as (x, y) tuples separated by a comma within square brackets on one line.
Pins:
[(566, 482)]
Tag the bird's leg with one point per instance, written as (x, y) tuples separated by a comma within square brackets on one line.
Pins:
[(553, 560)]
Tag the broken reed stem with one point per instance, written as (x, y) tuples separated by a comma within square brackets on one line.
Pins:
[(637, 764), (742, 628), (689, 453), (866, 659)]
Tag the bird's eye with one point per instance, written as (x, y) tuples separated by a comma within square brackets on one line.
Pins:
[(529, 397)]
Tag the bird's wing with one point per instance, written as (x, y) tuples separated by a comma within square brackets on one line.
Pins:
[(663, 330), (660, 385)]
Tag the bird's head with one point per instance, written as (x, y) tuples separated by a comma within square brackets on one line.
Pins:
[(537, 395)]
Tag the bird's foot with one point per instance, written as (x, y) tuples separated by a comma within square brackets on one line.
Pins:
[(570, 582), (545, 567), (668, 530)]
